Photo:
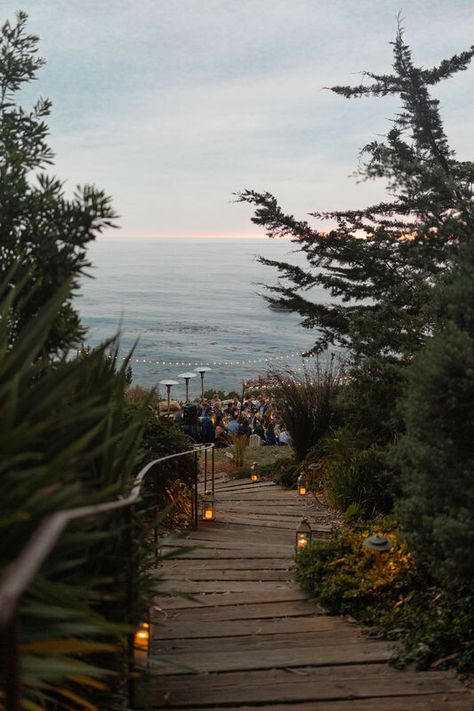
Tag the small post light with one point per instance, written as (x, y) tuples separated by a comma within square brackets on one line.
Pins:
[(141, 642), (304, 535), (302, 485), (208, 510), (377, 545), (254, 473)]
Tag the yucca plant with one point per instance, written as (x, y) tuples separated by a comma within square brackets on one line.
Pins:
[(66, 443)]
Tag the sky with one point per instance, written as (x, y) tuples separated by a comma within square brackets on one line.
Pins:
[(172, 106)]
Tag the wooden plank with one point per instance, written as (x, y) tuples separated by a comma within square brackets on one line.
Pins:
[(197, 587), (330, 684), (431, 702), (267, 610), (230, 564), (213, 554), (227, 598), (261, 642), (206, 575), (199, 662), (187, 630)]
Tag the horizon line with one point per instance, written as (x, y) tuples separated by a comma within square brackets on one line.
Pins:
[(186, 235)]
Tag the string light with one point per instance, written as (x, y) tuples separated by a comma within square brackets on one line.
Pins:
[(253, 361)]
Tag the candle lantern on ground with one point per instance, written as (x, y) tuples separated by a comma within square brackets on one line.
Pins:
[(187, 377), (202, 370), (207, 507), (141, 642), (254, 473), (378, 545), (304, 535), (169, 384), (302, 484)]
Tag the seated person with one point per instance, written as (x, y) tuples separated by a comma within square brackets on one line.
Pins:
[(285, 438), (233, 425), (270, 437)]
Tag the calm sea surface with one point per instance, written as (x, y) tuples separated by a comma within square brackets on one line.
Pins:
[(195, 301)]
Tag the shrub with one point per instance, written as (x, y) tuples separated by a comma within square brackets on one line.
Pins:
[(307, 403), (355, 480), (436, 455), (433, 627), (239, 445)]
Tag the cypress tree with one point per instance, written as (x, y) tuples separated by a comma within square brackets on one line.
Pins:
[(436, 455), (380, 262)]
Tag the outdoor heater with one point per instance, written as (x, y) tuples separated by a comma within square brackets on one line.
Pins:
[(187, 377), (202, 370), (169, 384)]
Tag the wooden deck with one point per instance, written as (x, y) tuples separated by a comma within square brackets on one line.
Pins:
[(254, 640)]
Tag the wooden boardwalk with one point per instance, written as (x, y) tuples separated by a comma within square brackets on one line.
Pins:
[(254, 640)]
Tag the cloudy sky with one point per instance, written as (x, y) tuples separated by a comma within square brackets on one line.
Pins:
[(173, 105)]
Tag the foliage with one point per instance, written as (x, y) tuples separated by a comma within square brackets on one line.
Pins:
[(382, 282), (355, 478), (64, 445), (162, 437), (398, 601), (284, 471), (307, 403), (211, 394), (436, 455), (43, 233), (239, 445)]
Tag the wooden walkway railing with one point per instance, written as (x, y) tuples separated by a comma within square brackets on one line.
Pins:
[(20, 574), (253, 640)]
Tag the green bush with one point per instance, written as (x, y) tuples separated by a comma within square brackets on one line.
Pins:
[(433, 627), (436, 455), (356, 480)]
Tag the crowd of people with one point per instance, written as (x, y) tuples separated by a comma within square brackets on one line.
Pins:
[(216, 421)]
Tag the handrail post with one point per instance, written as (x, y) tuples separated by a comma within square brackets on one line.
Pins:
[(130, 591), (10, 658), (196, 479), (205, 470), (213, 463)]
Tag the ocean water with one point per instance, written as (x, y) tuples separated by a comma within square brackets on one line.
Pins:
[(191, 301)]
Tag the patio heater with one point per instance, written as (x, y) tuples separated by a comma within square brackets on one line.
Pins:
[(187, 377), (202, 370), (169, 384)]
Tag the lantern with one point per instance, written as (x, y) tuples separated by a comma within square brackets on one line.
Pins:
[(254, 474), (141, 642), (304, 535), (207, 507), (302, 485)]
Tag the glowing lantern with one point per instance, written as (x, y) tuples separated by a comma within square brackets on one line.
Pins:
[(207, 502), (304, 535), (302, 485), (141, 642), (254, 474)]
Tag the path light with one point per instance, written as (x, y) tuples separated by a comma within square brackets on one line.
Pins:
[(141, 642), (302, 485), (304, 535), (377, 545), (208, 509), (187, 377), (254, 473), (202, 370), (169, 384)]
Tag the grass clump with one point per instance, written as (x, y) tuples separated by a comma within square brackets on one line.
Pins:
[(398, 600)]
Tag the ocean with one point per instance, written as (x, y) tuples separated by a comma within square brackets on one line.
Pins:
[(189, 302)]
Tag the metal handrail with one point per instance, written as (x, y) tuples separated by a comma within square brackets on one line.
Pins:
[(20, 573)]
